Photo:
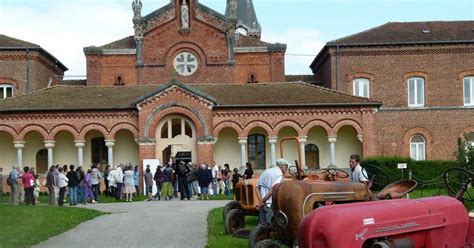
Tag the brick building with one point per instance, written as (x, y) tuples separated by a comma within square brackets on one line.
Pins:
[(189, 81), (422, 72)]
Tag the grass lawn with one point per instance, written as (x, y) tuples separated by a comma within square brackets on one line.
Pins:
[(43, 198), (24, 226), (216, 233)]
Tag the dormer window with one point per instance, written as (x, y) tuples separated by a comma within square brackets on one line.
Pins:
[(361, 87), (6, 91)]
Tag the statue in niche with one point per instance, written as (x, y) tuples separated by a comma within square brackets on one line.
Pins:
[(184, 15)]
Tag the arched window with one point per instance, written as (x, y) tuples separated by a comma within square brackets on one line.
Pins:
[(256, 150), (361, 87), (179, 126), (417, 148), (311, 153), (416, 92), (6, 90), (99, 152)]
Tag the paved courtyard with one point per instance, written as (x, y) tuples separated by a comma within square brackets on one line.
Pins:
[(141, 224)]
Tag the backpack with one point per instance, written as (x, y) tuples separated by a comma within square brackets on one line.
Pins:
[(182, 170), (10, 179)]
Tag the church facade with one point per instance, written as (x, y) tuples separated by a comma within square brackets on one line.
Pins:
[(189, 82)]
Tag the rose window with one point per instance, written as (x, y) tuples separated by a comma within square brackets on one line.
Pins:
[(185, 63)]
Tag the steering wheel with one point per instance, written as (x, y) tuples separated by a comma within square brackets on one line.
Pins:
[(376, 176), (457, 181), (293, 170), (336, 172)]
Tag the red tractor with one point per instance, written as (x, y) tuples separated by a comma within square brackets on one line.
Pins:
[(427, 222)]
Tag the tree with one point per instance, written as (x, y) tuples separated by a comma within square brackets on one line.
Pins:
[(465, 152)]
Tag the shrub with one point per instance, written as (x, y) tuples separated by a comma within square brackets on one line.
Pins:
[(428, 174)]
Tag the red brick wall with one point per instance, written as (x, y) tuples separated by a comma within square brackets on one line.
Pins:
[(104, 70), (13, 69)]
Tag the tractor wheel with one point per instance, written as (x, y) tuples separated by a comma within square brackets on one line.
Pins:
[(234, 221), (229, 206), (268, 243), (258, 234)]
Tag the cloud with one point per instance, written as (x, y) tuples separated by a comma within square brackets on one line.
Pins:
[(302, 47)]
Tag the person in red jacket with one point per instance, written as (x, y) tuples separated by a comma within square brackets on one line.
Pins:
[(29, 185)]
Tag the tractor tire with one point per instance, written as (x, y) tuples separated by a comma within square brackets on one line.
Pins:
[(268, 243), (234, 221), (229, 206), (258, 234)]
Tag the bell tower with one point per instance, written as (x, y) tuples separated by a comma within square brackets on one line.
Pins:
[(247, 22)]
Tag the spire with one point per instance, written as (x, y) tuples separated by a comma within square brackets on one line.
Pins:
[(247, 19)]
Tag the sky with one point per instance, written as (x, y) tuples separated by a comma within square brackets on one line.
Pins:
[(65, 27)]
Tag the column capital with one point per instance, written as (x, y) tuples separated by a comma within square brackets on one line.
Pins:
[(80, 143), (19, 144), (332, 139), (110, 143), (303, 139), (272, 140), (49, 143), (243, 140), (360, 138)]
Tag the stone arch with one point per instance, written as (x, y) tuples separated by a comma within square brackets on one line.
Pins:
[(202, 129), (317, 123), (256, 124), (9, 130), (90, 127), (22, 134), (417, 130), (347, 122), (62, 127), (467, 73), (421, 74), (286, 123), (123, 126), (228, 124)]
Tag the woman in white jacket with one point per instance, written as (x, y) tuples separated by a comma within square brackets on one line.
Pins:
[(62, 184)]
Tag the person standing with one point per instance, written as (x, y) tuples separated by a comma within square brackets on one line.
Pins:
[(235, 179), (136, 179), (148, 178), (248, 173), (73, 183), (204, 179), (265, 183), (226, 179), (87, 188), (95, 181), (159, 179), (80, 179), (62, 184), (182, 171), (13, 179), (28, 184), (215, 174), (106, 180), (118, 182), (167, 190), (129, 183), (50, 184), (111, 180), (358, 174)]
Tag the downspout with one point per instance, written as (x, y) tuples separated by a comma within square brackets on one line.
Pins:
[(337, 67), (28, 76)]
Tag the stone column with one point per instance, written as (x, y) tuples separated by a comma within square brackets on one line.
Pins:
[(110, 145), (80, 156), (273, 141), (303, 140), (332, 149), (50, 145), (19, 145), (243, 151)]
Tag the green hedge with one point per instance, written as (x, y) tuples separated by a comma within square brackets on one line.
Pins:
[(427, 173)]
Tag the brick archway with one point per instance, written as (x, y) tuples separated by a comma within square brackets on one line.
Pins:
[(317, 123), (63, 127), (256, 124), (123, 126), (9, 130), (22, 134), (228, 124), (465, 131), (202, 128), (287, 123), (90, 127), (347, 122)]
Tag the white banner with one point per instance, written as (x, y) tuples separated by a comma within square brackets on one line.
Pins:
[(152, 164)]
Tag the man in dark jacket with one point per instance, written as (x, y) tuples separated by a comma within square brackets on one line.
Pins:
[(72, 185), (182, 171), (51, 183)]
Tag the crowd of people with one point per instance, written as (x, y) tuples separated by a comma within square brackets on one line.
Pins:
[(177, 180)]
